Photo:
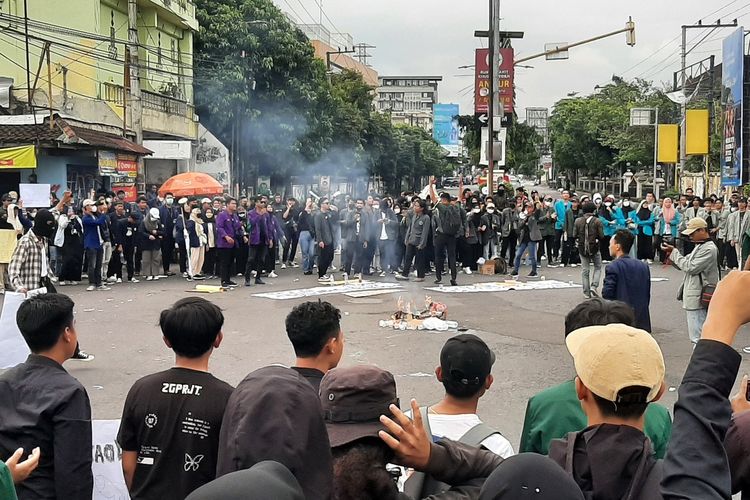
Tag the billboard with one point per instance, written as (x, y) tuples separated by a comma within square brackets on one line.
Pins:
[(482, 86), (731, 100), (445, 127)]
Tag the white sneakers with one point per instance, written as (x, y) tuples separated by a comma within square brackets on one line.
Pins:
[(467, 270), (272, 274)]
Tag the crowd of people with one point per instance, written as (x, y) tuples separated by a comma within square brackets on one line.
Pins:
[(317, 430)]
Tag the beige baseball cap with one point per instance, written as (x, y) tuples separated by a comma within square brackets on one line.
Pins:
[(612, 357), (695, 224)]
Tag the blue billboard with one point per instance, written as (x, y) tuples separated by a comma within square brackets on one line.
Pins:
[(445, 127), (731, 100)]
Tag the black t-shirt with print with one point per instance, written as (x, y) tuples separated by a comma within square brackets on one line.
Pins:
[(172, 420)]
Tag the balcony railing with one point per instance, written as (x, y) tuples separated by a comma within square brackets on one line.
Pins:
[(165, 104)]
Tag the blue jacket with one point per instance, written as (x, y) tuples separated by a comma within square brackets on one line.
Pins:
[(91, 225), (646, 225), (561, 207), (629, 280), (674, 224), (619, 222)]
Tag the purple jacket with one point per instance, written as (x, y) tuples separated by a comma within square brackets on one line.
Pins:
[(255, 220), (228, 225)]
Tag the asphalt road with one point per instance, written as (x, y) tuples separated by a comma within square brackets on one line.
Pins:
[(524, 328)]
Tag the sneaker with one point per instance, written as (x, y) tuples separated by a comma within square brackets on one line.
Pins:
[(401, 277), (574, 265), (184, 275), (248, 282), (514, 274), (283, 266), (119, 280), (54, 279), (649, 261), (587, 295), (171, 273), (532, 274), (325, 277), (90, 288), (159, 276), (259, 281), (746, 350), (438, 281), (467, 270), (551, 264), (199, 277), (383, 274), (133, 280), (149, 278), (63, 283), (83, 356), (332, 268), (103, 288), (594, 293), (293, 264), (419, 280), (544, 257), (232, 283), (453, 283), (272, 274), (112, 279), (307, 273)]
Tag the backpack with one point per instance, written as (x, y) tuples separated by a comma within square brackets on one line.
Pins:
[(450, 221), (589, 247), (421, 485)]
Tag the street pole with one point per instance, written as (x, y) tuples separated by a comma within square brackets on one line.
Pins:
[(29, 91), (492, 107), (683, 107), (656, 150), (136, 104)]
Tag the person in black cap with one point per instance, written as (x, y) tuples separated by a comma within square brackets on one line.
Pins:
[(465, 372), (314, 328), (261, 481), (275, 414)]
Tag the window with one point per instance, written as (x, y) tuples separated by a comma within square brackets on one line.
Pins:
[(426, 95), (401, 83)]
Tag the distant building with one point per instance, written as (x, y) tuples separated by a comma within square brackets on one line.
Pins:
[(538, 118), (409, 99)]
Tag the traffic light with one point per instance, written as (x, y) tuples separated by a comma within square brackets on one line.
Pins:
[(630, 33)]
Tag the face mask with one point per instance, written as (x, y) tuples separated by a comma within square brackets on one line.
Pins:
[(397, 210), (94, 208), (608, 204), (475, 211), (625, 203), (209, 215), (548, 203), (376, 207), (734, 209), (169, 201), (109, 200), (491, 210)]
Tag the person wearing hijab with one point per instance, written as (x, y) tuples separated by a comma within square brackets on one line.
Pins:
[(14, 220), (469, 243), (198, 241), (532, 476), (645, 220), (209, 229), (151, 231), (667, 224), (263, 480), (608, 214)]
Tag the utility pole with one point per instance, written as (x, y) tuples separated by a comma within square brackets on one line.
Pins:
[(492, 107), (136, 104)]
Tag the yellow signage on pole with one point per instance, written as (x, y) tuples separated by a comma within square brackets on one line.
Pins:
[(668, 143), (18, 157), (697, 132)]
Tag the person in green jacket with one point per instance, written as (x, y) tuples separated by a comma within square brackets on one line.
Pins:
[(556, 411)]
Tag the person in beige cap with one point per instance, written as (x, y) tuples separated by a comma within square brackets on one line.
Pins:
[(701, 267), (620, 370)]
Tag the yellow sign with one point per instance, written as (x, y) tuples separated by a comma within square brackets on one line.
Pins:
[(19, 157), (668, 143), (697, 132)]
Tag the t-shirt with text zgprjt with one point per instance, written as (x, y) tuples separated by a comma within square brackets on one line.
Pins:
[(172, 420)]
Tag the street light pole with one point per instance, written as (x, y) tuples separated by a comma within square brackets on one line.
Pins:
[(656, 150), (683, 106), (493, 109)]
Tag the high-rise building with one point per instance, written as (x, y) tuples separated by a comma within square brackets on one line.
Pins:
[(409, 99)]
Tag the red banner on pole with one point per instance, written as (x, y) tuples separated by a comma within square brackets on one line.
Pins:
[(482, 86)]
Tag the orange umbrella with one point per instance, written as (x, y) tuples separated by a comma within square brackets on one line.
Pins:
[(191, 184)]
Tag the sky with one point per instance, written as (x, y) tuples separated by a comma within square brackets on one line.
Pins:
[(435, 37)]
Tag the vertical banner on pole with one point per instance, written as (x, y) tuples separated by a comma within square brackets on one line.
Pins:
[(732, 79), (668, 143), (696, 124)]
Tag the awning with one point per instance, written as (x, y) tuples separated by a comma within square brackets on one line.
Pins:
[(18, 157)]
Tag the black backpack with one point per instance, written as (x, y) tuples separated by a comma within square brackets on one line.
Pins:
[(450, 220), (421, 485)]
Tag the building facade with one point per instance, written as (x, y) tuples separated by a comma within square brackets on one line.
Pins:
[(87, 42), (409, 99)]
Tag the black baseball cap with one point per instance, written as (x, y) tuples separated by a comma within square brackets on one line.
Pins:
[(466, 359), (445, 196)]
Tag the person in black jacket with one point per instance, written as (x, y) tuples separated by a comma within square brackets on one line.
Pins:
[(118, 221), (324, 235)]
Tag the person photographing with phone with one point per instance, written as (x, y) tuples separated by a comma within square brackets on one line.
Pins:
[(701, 268)]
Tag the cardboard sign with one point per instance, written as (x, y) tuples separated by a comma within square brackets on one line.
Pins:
[(34, 195), (106, 461), (13, 348)]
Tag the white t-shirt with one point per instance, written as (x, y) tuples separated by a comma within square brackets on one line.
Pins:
[(455, 426)]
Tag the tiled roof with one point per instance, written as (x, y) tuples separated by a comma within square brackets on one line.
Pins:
[(66, 134)]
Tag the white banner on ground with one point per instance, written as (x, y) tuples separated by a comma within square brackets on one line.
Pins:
[(106, 462), (506, 286), (327, 290), (13, 348)]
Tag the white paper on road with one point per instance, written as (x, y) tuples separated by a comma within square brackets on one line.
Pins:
[(106, 463), (370, 293), (34, 195), (506, 286), (13, 348), (327, 290)]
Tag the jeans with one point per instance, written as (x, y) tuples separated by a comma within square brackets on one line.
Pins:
[(586, 261), (490, 249), (443, 243), (106, 257), (55, 260), (307, 245), (94, 257), (385, 247), (531, 247), (695, 320)]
